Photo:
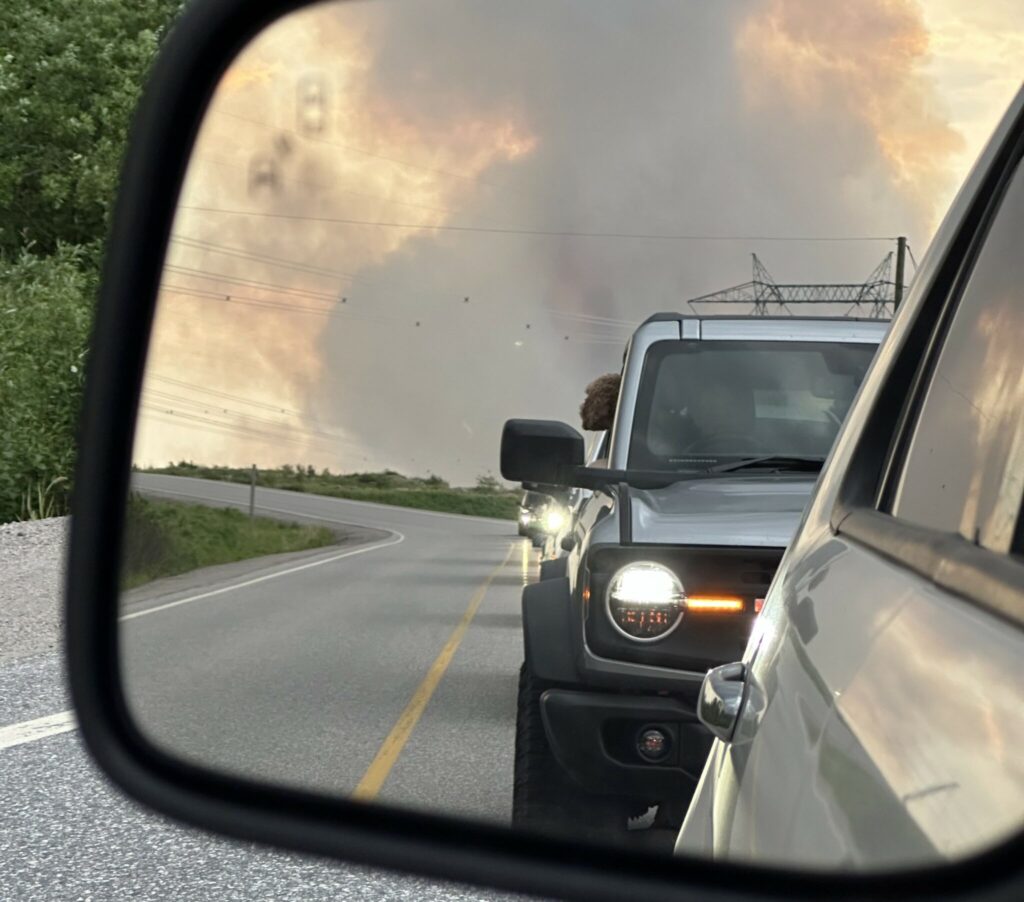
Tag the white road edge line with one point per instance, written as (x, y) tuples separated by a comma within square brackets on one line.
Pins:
[(64, 721), (396, 539), (40, 728)]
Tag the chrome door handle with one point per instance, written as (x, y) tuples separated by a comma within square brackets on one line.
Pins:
[(720, 698)]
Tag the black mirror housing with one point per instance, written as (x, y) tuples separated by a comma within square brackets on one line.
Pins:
[(540, 451), (189, 66)]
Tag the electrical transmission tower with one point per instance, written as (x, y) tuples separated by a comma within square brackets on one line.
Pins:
[(876, 294)]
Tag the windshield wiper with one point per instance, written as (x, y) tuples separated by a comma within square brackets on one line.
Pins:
[(791, 462)]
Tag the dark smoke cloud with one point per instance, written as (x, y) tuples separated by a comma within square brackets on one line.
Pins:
[(667, 117), (643, 123)]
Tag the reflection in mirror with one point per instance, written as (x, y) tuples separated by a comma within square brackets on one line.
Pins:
[(403, 225)]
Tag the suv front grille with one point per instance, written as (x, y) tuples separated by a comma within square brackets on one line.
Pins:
[(704, 639)]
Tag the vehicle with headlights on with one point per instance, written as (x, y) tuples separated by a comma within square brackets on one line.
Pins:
[(553, 558), (542, 515), (722, 426)]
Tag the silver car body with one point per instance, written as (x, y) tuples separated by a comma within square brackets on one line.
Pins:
[(722, 511), (882, 713)]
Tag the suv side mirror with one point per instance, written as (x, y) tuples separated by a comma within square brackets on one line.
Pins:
[(540, 451)]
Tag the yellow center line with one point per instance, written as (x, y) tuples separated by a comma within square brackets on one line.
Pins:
[(526, 562), (392, 746)]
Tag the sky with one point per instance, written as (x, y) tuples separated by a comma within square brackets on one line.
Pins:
[(406, 222)]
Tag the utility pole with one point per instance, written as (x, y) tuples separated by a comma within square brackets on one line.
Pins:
[(901, 253), (252, 493)]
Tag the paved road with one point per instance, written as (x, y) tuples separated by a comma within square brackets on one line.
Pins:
[(298, 676), (299, 672)]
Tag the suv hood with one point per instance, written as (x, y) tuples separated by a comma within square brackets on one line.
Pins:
[(751, 511)]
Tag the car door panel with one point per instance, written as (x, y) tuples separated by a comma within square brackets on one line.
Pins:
[(866, 821), (936, 710), (809, 650), (898, 779)]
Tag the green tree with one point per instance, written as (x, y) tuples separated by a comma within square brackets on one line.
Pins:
[(71, 72), (70, 76), (45, 317)]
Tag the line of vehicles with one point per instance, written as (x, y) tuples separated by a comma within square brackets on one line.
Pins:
[(739, 651)]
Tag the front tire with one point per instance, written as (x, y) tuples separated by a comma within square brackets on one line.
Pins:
[(544, 797)]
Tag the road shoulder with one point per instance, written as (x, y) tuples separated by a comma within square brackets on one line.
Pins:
[(170, 588)]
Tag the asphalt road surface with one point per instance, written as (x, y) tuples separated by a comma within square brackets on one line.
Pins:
[(385, 666), (298, 672)]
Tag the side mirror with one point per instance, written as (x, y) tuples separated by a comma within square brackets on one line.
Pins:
[(539, 451), (721, 695)]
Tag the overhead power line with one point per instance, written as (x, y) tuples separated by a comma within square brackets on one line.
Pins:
[(227, 251), (244, 421), (288, 434), (192, 386), (207, 406), (585, 338), (223, 298), (211, 276), (549, 233), (178, 419), (203, 406), (282, 262), (593, 319)]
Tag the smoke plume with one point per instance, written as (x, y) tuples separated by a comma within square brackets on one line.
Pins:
[(440, 215)]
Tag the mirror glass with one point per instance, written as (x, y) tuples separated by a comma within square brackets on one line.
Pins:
[(406, 223)]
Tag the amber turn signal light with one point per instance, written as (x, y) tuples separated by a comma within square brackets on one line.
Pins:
[(722, 604)]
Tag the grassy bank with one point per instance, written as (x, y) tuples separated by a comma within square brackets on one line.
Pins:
[(486, 499), (164, 538)]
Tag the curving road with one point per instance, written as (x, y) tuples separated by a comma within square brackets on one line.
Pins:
[(297, 669)]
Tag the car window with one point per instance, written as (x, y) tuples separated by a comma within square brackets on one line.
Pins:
[(964, 467), (701, 401)]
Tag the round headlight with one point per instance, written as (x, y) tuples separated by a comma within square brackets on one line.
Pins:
[(645, 601)]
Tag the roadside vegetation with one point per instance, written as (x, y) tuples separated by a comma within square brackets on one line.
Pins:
[(488, 498), (165, 538), (70, 75)]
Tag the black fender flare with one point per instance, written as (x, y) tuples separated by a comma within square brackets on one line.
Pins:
[(555, 568), (547, 631)]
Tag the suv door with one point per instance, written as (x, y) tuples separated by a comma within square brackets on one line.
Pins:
[(882, 718)]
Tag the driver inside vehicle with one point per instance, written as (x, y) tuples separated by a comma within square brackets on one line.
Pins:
[(718, 418), (707, 416)]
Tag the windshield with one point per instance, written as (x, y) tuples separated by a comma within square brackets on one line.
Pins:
[(535, 499), (704, 403)]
